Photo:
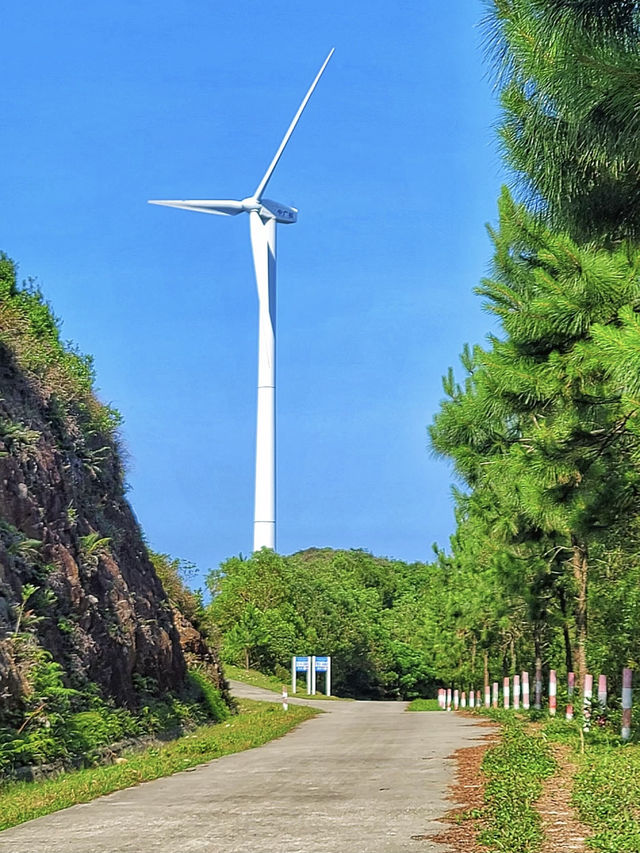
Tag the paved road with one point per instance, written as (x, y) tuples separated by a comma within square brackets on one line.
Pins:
[(362, 778)]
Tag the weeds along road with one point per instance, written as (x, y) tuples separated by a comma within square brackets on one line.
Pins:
[(364, 777)]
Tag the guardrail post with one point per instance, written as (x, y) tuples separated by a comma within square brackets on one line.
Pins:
[(627, 701), (553, 691), (602, 692)]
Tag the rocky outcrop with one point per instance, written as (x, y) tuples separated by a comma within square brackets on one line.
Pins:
[(74, 569)]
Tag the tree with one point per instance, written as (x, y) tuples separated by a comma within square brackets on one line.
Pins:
[(570, 77), (538, 430)]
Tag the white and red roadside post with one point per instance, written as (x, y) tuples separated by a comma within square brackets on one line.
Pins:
[(571, 686), (553, 692), (285, 698), (627, 702), (516, 692), (448, 699), (478, 699), (538, 694), (587, 695), (442, 698), (487, 696), (602, 692), (463, 699), (505, 691), (494, 700), (456, 700), (472, 699), (525, 691)]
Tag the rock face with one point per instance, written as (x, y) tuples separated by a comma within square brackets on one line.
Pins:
[(70, 542)]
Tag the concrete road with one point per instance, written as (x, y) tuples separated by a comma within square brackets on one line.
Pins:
[(364, 777)]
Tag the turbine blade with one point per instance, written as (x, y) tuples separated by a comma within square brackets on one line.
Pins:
[(263, 183), (221, 207)]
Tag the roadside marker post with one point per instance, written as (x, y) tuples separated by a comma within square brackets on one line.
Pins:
[(463, 699), (505, 692), (448, 699), (285, 697), (602, 692), (487, 696), (627, 702), (494, 701), (472, 699), (553, 692), (525, 690), (456, 700), (571, 684), (516, 692), (478, 699)]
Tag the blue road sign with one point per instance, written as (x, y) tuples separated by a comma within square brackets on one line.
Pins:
[(302, 664), (322, 664)]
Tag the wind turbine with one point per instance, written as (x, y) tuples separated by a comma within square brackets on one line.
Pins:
[(264, 215)]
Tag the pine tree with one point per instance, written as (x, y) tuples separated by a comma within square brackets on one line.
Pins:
[(538, 430), (570, 77)]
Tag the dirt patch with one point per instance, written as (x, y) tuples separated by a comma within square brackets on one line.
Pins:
[(563, 832), (467, 792)]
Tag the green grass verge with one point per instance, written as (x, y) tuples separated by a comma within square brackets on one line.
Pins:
[(257, 723), (268, 682), (607, 796), (515, 769), (606, 791), (424, 705)]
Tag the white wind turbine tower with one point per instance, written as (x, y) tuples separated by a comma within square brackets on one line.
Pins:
[(264, 214)]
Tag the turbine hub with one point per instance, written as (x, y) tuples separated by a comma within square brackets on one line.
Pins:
[(250, 203)]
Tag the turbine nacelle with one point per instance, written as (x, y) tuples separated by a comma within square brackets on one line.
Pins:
[(276, 210)]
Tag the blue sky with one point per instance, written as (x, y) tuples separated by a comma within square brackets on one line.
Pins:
[(395, 170)]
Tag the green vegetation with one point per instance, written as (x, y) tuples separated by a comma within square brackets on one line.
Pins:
[(254, 678), (256, 724), (59, 723), (424, 705), (375, 617), (607, 782), (270, 682), (607, 793), (515, 769), (31, 333), (544, 429)]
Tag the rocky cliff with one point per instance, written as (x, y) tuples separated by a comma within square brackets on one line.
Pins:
[(75, 577)]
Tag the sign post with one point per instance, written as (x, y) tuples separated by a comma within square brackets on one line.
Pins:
[(323, 664), (300, 663)]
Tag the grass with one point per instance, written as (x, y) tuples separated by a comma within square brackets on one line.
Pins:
[(424, 705), (257, 723), (515, 769), (606, 792), (269, 682), (607, 796)]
